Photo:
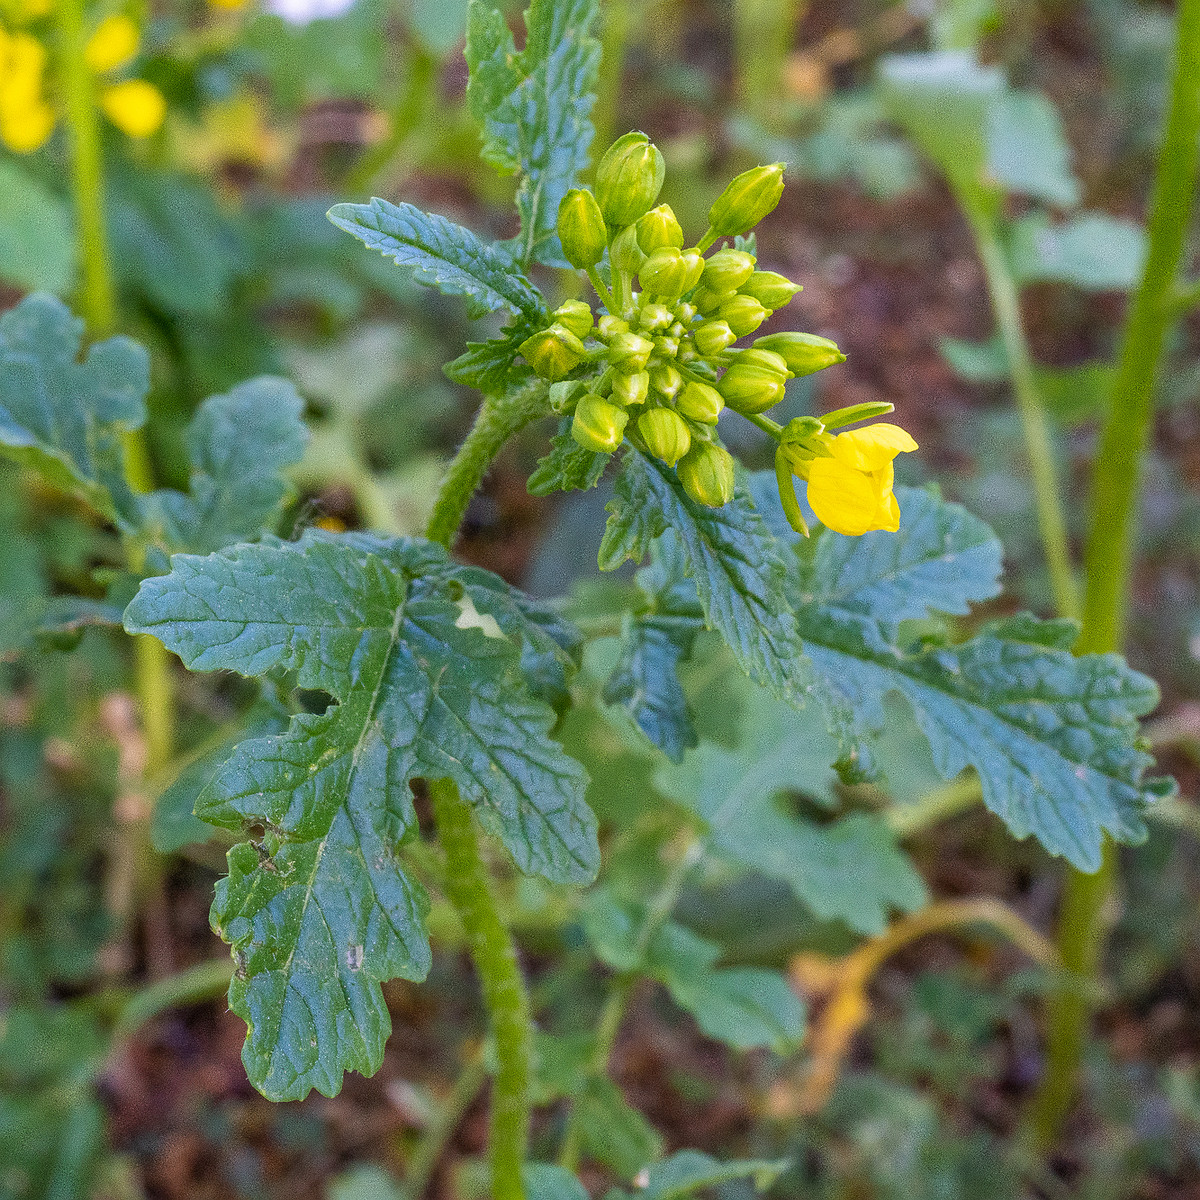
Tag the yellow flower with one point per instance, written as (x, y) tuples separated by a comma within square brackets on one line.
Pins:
[(114, 44), (135, 107), (26, 120), (851, 490)]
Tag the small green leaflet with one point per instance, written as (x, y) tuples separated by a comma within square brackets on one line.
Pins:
[(65, 418), (535, 107), (238, 445), (730, 554), (614, 1132), (544, 1181), (1092, 251), (653, 645), (442, 255), (691, 1171), (568, 467), (493, 366), (425, 661)]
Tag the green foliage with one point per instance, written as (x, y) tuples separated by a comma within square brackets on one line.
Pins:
[(37, 244), (1093, 251), (690, 1171), (424, 660), (568, 467), (534, 106)]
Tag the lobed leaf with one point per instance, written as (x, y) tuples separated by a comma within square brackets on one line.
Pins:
[(568, 467)]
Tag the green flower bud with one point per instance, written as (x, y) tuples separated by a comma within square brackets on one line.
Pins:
[(727, 270), (706, 472), (667, 380), (609, 326), (665, 433), (628, 179), (631, 389), (743, 314), (553, 352), (659, 228), (804, 353), (626, 255), (700, 402), (767, 359), (654, 316), (629, 352), (746, 200), (751, 387), (685, 313), (598, 425), (712, 337), (575, 316), (770, 289), (676, 331), (706, 301), (670, 272), (581, 229)]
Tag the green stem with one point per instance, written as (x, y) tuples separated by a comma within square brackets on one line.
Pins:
[(201, 982), (504, 992), (1117, 481), (1038, 445), (429, 1150), (602, 290)]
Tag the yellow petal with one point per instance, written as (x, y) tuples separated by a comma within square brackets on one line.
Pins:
[(889, 514), (867, 449), (114, 43), (229, 5), (135, 107), (845, 500), (24, 130)]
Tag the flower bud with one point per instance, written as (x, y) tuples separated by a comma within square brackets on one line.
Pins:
[(575, 316), (665, 433), (712, 337), (670, 272), (770, 289), (767, 359), (751, 387), (666, 380), (654, 316), (706, 301), (609, 326), (727, 270), (598, 425), (629, 352), (706, 472), (625, 254), (743, 314), (553, 352), (746, 200), (700, 402), (631, 389), (685, 312), (804, 353), (628, 179), (581, 229), (676, 331), (659, 228)]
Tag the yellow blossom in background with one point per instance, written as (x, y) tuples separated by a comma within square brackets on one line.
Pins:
[(228, 5), (114, 44), (851, 490), (26, 119), (135, 107)]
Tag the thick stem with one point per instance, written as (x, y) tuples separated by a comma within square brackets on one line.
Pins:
[(1038, 445), (504, 991), (1117, 481)]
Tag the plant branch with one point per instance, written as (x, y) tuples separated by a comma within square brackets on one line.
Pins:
[(429, 1149)]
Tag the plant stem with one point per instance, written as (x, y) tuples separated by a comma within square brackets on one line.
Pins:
[(424, 1159), (1117, 481), (1038, 445), (204, 981), (504, 991)]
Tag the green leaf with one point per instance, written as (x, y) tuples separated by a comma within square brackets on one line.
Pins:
[(1093, 251), (238, 445), (37, 238), (535, 107), (65, 418), (1028, 151), (850, 869), (544, 1181), (365, 1182), (424, 659), (977, 362), (493, 366), (654, 643), (568, 467), (730, 554), (442, 255), (615, 1133), (689, 1171)]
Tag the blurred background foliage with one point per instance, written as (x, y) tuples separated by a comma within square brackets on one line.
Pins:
[(227, 268)]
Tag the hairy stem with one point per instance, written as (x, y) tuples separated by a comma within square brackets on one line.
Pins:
[(504, 991), (1117, 482)]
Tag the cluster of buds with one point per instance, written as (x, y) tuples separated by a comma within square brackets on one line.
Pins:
[(660, 362)]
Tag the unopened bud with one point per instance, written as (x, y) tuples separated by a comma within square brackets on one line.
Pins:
[(706, 472), (609, 326), (751, 388), (746, 200), (625, 254), (666, 380), (553, 352), (665, 433), (706, 300), (667, 346), (659, 228), (628, 179), (598, 425), (712, 337), (575, 316), (629, 352), (767, 359), (743, 314), (581, 229), (770, 289), (685, 312), (669, 272), (804, 353), (654, 316), (700, 402), (631, 389), (727, 270)]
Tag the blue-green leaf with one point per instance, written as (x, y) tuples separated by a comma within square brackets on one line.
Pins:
[(441, 255), (535, 107), (544, 1181), (37, 237), (1093, 251), (1027, 150), (690, 1171)]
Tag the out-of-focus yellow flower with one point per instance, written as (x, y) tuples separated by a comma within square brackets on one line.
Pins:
[(851, 490), (135, 107), (114, 44), (229, 5), (26, 119)]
